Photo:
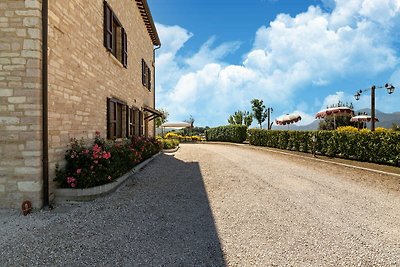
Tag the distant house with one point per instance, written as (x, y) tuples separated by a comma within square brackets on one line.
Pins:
[(97, 75)]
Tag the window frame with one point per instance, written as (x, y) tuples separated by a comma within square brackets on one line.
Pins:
[(116, 44), (146, 75), (116, 112)]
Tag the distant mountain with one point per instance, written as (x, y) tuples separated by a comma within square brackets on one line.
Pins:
[(386, 120)]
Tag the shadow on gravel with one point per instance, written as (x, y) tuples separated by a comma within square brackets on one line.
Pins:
[(175, 221), (161, 217)]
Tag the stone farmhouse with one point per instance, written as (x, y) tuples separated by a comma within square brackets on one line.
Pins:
[(69, 69)]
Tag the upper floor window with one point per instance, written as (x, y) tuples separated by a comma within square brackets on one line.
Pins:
[(146, 75), (115, 38)]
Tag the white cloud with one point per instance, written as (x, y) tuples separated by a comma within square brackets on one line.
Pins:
[(208, 54), (313, 48)]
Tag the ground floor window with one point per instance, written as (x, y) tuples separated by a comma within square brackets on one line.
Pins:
[(116, 115), (124, 121), (132, 122)]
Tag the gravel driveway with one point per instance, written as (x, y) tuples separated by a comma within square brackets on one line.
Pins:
[(219, 205)]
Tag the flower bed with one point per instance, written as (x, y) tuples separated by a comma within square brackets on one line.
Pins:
[(103, 161)]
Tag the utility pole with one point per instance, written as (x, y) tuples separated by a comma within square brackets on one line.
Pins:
[(373, 108), (270, 110)]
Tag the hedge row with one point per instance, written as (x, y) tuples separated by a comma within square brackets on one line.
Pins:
[(230, 133), (378, 147)]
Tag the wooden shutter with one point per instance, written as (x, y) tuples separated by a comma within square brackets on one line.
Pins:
[(141, 123), (149, 78), (130, 122), (144, 73), (127, 120), (111, 119), (118, 120), (136, 122), (108, 27), (124, 48)]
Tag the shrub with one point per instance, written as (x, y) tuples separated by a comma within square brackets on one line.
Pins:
[(347, 129), (195, 138), (102, 162), (230, 133), (378, 147), (169, 143), (146, 146), (171, 135)]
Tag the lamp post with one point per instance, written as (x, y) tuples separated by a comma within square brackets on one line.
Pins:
[(390, 89), (270, 110)]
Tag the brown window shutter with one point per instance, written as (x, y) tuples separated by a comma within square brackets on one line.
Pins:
[(143, 72), (124, 48), (136, 122), (128, 121), (108, 29), (140, 123), (109, 118), (149, 78)]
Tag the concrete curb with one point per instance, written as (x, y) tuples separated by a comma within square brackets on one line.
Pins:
[(300, 156), (171, 150), (64, 195)]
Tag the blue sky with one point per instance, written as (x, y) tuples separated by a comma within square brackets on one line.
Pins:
[(297, 56)]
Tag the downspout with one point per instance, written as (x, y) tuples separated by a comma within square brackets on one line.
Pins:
[(45, 125), (154, 82)]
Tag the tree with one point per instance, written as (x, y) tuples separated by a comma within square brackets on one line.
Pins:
[(241, 118), (247, 118), (236, 119), (190, 130), (163, 118), (260, 113)]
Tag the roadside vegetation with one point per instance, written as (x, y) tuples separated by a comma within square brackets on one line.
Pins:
[(103, 161)]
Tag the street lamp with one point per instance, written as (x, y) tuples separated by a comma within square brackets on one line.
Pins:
[(270, 110), (390, 89)]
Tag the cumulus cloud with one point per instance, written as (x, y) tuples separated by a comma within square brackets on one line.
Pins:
[(290, 55)]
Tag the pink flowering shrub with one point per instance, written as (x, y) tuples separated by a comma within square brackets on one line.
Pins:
[(100, 163), (146, 146)]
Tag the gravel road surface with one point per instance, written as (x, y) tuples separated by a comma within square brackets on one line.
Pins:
[(219, 205)]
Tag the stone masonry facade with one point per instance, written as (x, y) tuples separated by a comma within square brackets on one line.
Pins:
[(20, 102), (82, 74)]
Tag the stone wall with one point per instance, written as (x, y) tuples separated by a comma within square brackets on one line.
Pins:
[(20, 103), (82, 74)]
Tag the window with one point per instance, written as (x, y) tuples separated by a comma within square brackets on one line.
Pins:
[(146, 75), (132, 122), (116, 112), (115, 38), (141, 123)]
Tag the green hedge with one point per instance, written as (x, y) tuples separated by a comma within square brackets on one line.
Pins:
[(378, 147), (230, 133)]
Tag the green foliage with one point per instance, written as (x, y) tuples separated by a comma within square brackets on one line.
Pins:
[(230, 133), (102, 162), (241, 118), (169, 143), (146, 146), (163, 118), (260, 113), (378, 147), (395, 127), (341, 121), (193, 131)]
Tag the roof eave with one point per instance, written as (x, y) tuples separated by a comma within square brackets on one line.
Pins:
[(148, 21)]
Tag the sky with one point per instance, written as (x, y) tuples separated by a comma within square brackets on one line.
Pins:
[(296, 56)]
